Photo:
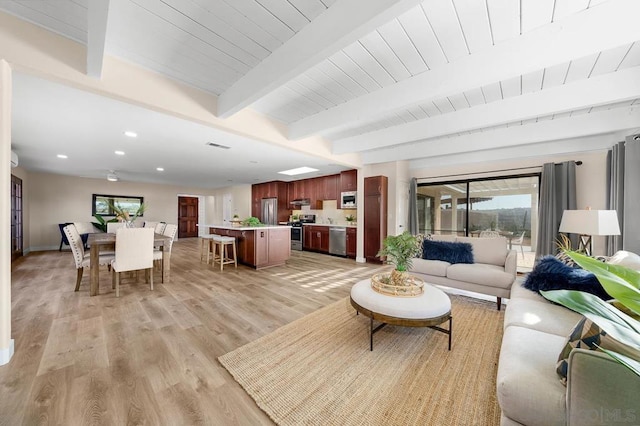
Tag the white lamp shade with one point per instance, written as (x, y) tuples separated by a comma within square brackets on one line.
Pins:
[(590, 222)]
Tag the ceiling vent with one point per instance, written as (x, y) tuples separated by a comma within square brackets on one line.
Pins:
[(14, 159), (217, 145)]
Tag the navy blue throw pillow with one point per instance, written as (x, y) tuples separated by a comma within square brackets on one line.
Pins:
[(451, 252), (551, 274)]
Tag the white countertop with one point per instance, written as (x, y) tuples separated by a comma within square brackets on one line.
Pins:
[(243, 228), (332, 225)]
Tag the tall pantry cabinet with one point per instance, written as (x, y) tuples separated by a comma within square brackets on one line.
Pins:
[(375, 216)]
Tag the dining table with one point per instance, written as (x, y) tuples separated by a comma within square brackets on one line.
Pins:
[(107, 241), (507, 234)]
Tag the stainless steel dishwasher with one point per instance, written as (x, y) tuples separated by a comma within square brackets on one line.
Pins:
[(338, 241)]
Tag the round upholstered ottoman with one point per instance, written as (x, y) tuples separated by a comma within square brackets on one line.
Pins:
[(430, 309)]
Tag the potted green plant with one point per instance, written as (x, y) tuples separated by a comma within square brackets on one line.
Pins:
[(623, 284), (123, 215), (399, 250), (252, 222), (101, 223), (350, 218)]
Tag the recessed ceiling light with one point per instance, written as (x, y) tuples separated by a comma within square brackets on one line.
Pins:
[(62, 156), (112, 177), (298, 171), (160, 169), (119, 152), (131, 134)]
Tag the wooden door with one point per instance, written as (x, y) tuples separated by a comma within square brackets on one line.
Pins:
[(187, 217), (16, 217)]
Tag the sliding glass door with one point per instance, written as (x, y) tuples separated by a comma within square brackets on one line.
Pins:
[(508, 206)]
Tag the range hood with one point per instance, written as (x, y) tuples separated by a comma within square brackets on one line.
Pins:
[(301, 202)]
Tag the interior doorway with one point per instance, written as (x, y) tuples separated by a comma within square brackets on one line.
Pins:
[(16, 217), (187, 217)]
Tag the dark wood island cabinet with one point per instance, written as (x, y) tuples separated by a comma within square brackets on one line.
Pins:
[(259, 247)]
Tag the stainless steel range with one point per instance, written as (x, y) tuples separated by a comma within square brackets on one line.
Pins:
[(297, 234)]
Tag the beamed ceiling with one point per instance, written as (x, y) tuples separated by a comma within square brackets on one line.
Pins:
[(434, 82)]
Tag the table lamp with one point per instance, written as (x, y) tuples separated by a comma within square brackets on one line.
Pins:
[(587, 223)]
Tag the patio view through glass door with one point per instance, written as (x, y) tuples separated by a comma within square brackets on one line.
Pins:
[(508, 206)]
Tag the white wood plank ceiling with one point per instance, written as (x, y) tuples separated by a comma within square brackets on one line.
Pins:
[(395, 78)]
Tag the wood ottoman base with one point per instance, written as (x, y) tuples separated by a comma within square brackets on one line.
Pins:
[(427, 310)]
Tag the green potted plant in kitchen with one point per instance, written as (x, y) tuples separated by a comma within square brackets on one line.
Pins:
[(350, 219), (399, 250)]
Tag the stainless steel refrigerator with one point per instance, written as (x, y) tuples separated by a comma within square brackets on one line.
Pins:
[(269, 211)]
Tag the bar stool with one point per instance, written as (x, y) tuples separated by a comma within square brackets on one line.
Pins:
[(222, 256), (206, 246)]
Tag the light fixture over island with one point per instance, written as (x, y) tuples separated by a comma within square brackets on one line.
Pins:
[(257, 246)]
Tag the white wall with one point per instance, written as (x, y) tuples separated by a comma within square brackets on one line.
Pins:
[(55, 199)]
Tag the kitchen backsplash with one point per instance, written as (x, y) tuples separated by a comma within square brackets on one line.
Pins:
[(330, 213)]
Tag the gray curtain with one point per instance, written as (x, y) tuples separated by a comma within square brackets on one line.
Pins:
[(557, 194), (413, 206), (631, 225), (615, 193)]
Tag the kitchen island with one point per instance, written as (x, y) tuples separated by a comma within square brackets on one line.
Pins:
[(257, 246)]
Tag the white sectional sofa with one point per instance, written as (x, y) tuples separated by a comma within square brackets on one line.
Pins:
[(493, 271), (599, 391)]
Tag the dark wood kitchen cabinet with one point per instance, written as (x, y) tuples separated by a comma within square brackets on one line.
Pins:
[(276, 189), (330, 187), (260, 248), (375, 216), (348, 181), (316, 238), (352, 241)]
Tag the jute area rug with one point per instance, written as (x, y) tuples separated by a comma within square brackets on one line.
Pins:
[(318, 370)]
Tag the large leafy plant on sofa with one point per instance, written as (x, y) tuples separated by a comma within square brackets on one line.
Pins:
[(622, 284)]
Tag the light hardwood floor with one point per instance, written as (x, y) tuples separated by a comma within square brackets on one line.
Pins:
[(150, 357)]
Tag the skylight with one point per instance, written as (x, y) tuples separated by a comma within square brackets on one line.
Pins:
[(298, 171)]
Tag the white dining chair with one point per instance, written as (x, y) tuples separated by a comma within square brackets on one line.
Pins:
[(170, 231), (148, 224), (160, 227), (134, 252), (81, 259), (112, 227)]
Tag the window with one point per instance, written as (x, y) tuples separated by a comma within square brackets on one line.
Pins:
[(103, 204), (506, 205)]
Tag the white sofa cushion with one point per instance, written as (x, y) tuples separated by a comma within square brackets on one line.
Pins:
[(540, 315), (492, 251), (625, 258), (519, 292), (528, 388), (437, 268), (478, 273)]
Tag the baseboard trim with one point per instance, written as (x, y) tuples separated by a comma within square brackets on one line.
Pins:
[(7, 353), (43, 248), (361, 259)]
